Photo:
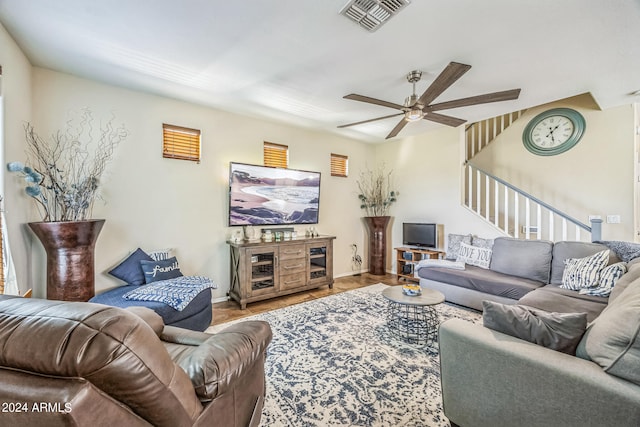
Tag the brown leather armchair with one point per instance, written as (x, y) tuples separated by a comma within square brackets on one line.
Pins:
[(83, 364)]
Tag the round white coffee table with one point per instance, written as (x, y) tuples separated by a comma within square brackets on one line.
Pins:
[(414, 318)]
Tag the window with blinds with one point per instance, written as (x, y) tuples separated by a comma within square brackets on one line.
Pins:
[(180, 143), (276, 155), (339, 165)]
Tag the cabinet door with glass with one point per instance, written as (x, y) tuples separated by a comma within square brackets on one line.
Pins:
[(320, 268), (262, 266)]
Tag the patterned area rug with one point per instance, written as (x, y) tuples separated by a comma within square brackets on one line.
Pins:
[(334, 362)]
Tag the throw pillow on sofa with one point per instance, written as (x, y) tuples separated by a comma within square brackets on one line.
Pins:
[(557, 331), (473, 255), (613, 338), (453, 244), (482, 243), (154, 271), (608, 278), (130, 270), (584, 272)]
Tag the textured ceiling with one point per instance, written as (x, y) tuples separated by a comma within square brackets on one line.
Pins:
[(294, 60)]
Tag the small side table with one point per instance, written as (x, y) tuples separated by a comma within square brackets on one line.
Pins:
[(414, 317)]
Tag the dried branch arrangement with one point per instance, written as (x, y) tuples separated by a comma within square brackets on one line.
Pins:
[(376, 194), (63, 174)]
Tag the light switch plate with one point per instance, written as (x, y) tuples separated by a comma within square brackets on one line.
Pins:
[(613, 219)]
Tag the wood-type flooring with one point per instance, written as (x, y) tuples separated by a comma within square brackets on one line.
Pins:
[(230, 310)]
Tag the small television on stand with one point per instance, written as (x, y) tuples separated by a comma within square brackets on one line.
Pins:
[(423, 235)]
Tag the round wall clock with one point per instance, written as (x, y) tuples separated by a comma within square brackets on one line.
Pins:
[(553, 131)]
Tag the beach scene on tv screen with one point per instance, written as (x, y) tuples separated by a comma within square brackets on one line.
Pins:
[(262, 195)]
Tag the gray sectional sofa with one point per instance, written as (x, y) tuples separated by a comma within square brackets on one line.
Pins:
[(493, 379), (525, 271)]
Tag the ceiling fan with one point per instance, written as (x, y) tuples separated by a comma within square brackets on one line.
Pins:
[(415, 108)]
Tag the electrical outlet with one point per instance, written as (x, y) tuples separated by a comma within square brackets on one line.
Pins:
[(532, 229), (613, 219)]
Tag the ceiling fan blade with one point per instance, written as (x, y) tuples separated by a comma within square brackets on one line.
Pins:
[(370, 120), (442, 119), (396, 130), (370, 100), (506, 95), (446, 78)]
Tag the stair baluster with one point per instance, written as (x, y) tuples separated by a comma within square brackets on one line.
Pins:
[(508, 219)]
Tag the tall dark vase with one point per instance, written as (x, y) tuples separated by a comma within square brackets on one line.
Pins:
[(70, 257), (377, 226)]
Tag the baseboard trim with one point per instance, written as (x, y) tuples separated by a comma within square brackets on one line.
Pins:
[(350, 274), (219, 299)]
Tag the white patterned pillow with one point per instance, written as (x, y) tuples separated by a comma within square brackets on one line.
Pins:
[(161, 254), (453, 244), (473, 255), (584, 272), (482, 243), (608, 278)]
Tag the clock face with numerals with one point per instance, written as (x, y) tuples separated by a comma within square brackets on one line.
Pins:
[(553, 131)]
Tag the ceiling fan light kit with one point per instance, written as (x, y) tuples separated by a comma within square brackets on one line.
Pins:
[(414, 114), (415, 109)]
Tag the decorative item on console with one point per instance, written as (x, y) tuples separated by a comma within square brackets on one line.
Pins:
[(250, 234), (237, 236)]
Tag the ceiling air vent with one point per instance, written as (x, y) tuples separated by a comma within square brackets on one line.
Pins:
[(372, 14)]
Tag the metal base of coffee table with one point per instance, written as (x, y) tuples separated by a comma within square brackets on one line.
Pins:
[(413, 318)]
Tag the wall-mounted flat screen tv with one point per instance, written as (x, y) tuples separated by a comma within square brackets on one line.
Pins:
[(262, 195)]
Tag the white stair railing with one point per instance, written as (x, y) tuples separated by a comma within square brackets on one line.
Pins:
[(519, 214), (480, 134)]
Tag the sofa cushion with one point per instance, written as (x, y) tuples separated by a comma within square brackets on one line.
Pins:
[(482, 280), (613, 340), (453, 244), (188, 318), (555, 299), (557, 331), (565, 250), (584, 272), (529, 259), (633, 273)]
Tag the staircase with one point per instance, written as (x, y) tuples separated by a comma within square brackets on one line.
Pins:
[(508, 208)]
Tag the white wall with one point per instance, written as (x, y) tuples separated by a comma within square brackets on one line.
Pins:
[(155, 203), (596, 177), (427, 171), (16, 108)]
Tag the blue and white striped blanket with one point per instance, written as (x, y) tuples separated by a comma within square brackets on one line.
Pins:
[(176, 293)]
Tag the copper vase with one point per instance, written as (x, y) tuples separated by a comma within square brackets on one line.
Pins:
[(377, 226), (70, 257)]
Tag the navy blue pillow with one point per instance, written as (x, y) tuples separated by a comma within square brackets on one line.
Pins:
[(129, 270), (160, 270)]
